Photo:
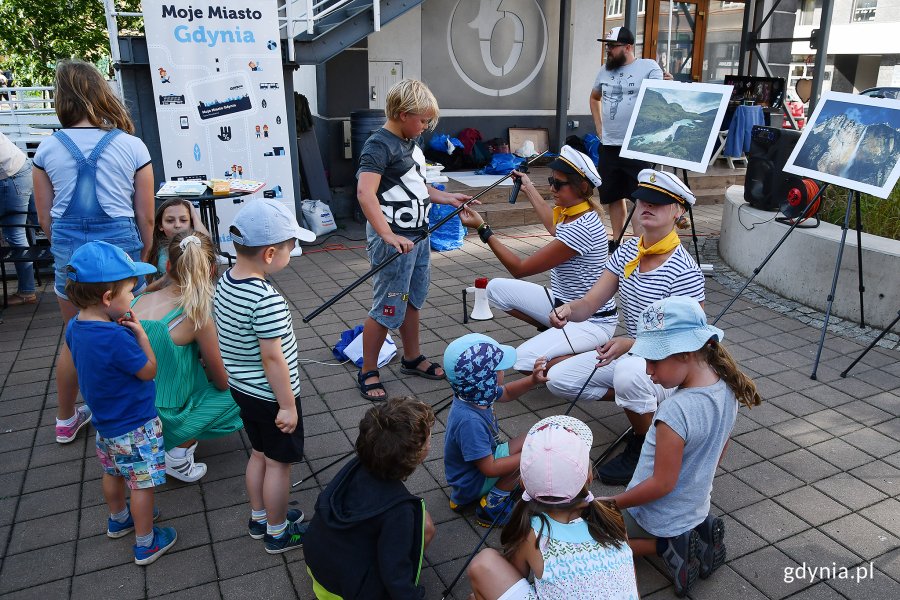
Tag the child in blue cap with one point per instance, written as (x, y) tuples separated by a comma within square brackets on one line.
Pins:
[(666, 504), (116, 367), (477, 465)]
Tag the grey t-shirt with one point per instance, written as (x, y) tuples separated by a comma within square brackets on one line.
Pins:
[(703, 417), (619, 90), (402, 192)]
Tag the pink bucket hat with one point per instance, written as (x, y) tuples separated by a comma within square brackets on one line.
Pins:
[(556, 460)]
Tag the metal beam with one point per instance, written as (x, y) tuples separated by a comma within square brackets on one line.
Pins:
[(630, 15), (563, 72), (821, 53)]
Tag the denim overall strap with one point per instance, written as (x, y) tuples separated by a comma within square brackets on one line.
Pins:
[(84, 202)]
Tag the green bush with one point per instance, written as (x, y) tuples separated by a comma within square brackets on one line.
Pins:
[(879, 217)]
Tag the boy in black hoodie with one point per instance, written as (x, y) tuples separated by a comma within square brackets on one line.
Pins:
[(368, 536)]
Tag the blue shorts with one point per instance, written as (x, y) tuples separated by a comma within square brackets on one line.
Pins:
[(67, 234), (138, 456), (403, 281), (501, 451)]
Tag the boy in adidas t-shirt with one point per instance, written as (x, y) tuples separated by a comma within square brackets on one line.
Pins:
[(395, 199)]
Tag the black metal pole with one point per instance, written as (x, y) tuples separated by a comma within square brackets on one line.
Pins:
[(627, 221), (563, 329), (872, 345), (834, 280), (421, 237), (862, 288), (756, 271)]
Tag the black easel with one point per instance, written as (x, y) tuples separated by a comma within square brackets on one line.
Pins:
[(872, 345), (851, 196)]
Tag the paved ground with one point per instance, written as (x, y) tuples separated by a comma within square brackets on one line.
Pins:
[(812, 477)]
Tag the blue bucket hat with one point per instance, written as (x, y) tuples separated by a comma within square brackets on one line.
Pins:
[(101, 262), (672, 325), (471, 363)]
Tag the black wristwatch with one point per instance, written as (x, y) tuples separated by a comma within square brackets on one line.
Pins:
[(485, 232)]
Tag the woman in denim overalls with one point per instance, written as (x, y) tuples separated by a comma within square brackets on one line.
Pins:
[(73, 209)]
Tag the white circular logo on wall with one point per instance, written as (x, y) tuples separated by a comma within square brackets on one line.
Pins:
[(497, 47)]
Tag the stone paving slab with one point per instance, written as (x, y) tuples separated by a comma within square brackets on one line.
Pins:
[(812, 476)]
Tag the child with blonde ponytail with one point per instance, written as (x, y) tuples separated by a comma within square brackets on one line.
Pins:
[(666, 504), (192, 396)]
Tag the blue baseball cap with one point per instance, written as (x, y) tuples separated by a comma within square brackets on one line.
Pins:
[(101, 262), (471, 363), (672, 325), (267, 221)]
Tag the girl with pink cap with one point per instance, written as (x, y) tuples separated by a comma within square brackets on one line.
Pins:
[(574, 545)]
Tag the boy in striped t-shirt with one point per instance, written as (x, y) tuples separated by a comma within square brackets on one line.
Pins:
[(256, 339)]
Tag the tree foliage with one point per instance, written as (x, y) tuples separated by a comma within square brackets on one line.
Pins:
[(35, 34)]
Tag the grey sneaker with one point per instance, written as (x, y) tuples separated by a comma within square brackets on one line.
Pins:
[(680, 555), (712, 545)]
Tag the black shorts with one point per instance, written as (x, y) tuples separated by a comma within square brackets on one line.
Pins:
[(259, 423), (619, 174)]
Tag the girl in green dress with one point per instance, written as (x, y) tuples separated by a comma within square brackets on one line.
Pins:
[(192, 395)]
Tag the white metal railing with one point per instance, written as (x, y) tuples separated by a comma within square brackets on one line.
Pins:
[(27, 116), (310, 11), (26, 99)]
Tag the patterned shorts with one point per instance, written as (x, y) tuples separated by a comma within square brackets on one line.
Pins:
[(139, 456)]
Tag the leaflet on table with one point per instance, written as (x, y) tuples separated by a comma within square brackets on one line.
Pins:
[(182, 188)]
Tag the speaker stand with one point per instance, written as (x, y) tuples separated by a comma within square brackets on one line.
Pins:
[(803, 215), (691, 216)]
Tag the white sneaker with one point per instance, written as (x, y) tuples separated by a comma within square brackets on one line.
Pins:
[(184, 469)]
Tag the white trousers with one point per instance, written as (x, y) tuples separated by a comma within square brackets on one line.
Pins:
[(627, 375), (531, 299)]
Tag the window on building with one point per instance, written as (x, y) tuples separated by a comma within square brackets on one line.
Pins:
[(810, 12), (864, 10), (614, 8), (642, 7), (726, 5)]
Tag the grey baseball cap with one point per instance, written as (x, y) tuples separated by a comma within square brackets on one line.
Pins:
[(267, 221)]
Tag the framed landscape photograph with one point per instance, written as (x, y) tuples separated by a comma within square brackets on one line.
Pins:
[(676, 124), (851, 141)]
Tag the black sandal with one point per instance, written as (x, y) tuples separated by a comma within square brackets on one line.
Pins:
[(409, 367), (365, 388)]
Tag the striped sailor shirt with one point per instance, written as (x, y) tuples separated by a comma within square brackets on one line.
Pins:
[(678, 276), (574, 278), (247, 310)]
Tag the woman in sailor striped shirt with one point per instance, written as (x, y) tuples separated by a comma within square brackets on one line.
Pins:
[(642, 271), (575, 258)]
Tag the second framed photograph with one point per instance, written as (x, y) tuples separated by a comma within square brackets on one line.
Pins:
[(676, 124)]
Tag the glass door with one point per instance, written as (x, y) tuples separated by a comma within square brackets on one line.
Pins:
[(675, 37)]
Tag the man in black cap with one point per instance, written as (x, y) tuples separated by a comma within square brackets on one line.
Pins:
[(613, 100)]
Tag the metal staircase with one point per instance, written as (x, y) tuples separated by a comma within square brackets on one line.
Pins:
[(324, 28)]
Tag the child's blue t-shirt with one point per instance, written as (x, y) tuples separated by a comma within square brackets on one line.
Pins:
[(703, 417), (107, 357), (472, 433)]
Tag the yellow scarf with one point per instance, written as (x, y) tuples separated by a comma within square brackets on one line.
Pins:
[(561, 212), (663, 246)]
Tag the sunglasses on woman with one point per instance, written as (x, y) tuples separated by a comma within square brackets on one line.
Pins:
[(557, 184)]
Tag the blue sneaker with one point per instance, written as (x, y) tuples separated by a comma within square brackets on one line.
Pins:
[(115, 530), (712, 545), (681, 556), (496, 514), (163, 539), (292, 538), (257, 530)]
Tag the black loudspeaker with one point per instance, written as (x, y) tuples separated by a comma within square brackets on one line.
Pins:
[(766, 184)]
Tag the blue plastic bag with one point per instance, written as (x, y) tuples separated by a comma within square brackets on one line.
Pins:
[(448, 236), (444, 143), (592, 143), (502, 164)]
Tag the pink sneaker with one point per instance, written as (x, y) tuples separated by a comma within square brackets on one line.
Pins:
[(67, 433)]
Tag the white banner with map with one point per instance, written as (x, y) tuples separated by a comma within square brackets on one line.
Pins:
[(219, 86)]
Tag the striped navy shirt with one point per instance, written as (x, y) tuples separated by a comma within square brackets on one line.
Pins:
[(247, 310), (571, 280), (678, 276)]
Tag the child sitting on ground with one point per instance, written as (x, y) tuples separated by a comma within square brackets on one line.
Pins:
[(666, 505), (477, 465), (174, 216), (369, 534), (574, 545), (116, 367), (259, 350)]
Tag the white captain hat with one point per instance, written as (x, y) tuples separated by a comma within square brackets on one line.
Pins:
[(659, 187), (573, 162)]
